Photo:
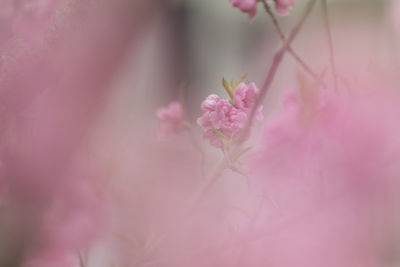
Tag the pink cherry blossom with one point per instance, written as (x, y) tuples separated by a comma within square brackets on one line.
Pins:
[(223, 121), (210, 103), (171, 120), (245, 96), (218, 119), (247, 6)]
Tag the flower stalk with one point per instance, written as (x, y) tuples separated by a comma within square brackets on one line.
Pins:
[(330, 41)]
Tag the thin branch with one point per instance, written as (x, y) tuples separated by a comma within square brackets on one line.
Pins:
[(274, 67), (283, 38), (252, 223), (331, 51), (81, 260), (198, 147), (271, 74), (209, 183), (275, 64)]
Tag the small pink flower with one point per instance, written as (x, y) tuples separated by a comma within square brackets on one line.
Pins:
[(171, 120), (210, 103), (282, 6), (247, 6), (244, 98), (216, 119)]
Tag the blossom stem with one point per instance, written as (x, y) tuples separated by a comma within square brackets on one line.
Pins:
[(283, 37), (274, 67), (251, 230), (210, 182), (330, 41), (198, 147)]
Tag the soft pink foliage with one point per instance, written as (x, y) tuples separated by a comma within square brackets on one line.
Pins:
[(247, 6), (171, 120), (51, 105), (6, 9), (310, 142), (282, 6), (394, 15), (324, 170), (75, 218)]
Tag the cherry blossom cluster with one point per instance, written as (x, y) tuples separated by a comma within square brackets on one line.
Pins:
[(222, 120)]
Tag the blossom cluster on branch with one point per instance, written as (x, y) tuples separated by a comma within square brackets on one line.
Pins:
[(223, 120)]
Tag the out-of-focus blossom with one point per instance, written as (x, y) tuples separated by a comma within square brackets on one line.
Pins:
[(298, 143), (54, 214), (171, 120), (282, 6), (73, 220), (247, 6), (323, 160)]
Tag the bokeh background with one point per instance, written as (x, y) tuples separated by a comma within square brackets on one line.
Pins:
[(82, 172)]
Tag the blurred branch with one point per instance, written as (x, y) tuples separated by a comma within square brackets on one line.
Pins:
[(331, 51), (271, 74), (253, 221), (274, 67), (283, 38), (81, 260), (198, 147)]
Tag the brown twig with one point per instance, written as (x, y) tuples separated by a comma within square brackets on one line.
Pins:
[(330, 41), (283, 38)]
